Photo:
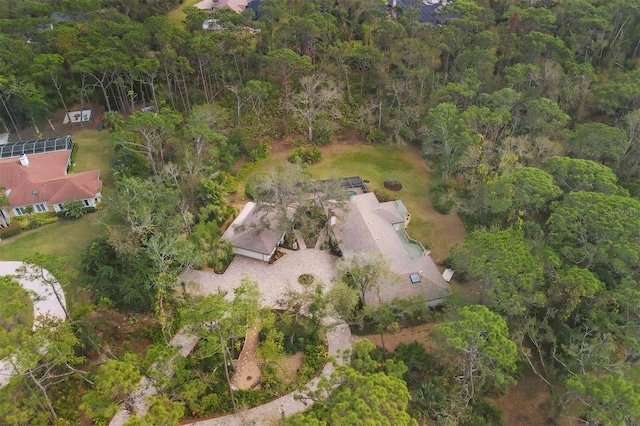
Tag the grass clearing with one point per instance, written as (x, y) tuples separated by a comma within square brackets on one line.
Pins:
[(378, 163), (177, 14), (94, 152)]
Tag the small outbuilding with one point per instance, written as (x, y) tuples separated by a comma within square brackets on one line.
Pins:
[(254, 233)]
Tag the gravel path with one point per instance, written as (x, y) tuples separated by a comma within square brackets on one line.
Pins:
[(44, 300), (272, 280)]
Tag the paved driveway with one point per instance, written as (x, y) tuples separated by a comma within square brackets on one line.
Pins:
[(272, 279)]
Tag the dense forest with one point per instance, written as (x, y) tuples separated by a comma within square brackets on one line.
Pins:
[(527, 113)]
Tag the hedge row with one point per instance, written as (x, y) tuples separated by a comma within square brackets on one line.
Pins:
[(11, 230)]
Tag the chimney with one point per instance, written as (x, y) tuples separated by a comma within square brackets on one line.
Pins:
[(24, 160)]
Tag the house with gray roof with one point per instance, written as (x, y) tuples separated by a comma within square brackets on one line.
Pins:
[(254, 233), (374, 228)]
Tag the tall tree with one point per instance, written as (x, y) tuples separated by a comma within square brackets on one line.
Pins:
[(447, 137), (50, 66), (317, 99), (286, 66), (481, 349), (509, 274), (365, 274)]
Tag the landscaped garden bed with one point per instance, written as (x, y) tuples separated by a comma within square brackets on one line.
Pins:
[(288, 354)]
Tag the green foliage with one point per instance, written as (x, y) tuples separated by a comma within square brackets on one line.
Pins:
[(439, 197), (121, 277), (17, 309), (37, 368), (115, 383), (310, 219), (598, 142), (573, 174), (508, 272), (376, 136), (35, 220), (364, 273), (524, 192), (362, 397), (447, 139), (74, 210), (162, 411), (114, 121), (14, 229), (584, 225), (612, 398), (479, 347), (128, 163), (310, 155), (384, 195)]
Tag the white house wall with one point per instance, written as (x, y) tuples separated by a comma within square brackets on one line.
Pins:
[(251, 254)]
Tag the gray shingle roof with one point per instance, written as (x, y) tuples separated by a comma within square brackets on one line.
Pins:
[(367, 227), (254, 230)]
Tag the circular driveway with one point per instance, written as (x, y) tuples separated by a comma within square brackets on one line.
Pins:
[(272, 279)]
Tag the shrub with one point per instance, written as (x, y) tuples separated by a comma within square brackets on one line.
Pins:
[(128, 163), (252, 183), (322, 133), (306, 279), (314, 359), (310, 155), (383, 195), (11, 230), (334, 247), (46, 220), (376, 136), (73, 210), (484, 413), (440, 200)]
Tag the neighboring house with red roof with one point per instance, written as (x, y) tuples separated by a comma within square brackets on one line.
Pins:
[(34, 173)]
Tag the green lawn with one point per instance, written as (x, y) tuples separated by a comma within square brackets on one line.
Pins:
[(177, 14), (378, 163), (67, 238), (94, 152)]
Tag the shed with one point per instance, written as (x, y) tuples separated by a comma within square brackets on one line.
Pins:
[(254, 233)]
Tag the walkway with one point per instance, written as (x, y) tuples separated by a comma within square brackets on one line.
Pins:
[(272, 280), (339, 341), (45, 301)]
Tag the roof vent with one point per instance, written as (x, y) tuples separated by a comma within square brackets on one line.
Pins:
[(24, 160)]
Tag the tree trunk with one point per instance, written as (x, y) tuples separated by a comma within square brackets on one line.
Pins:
[(15, 126), (57, 86), (226, 371), (46, 401)]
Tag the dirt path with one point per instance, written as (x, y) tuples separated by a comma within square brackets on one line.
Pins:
[(420, 333), (247, 375)]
